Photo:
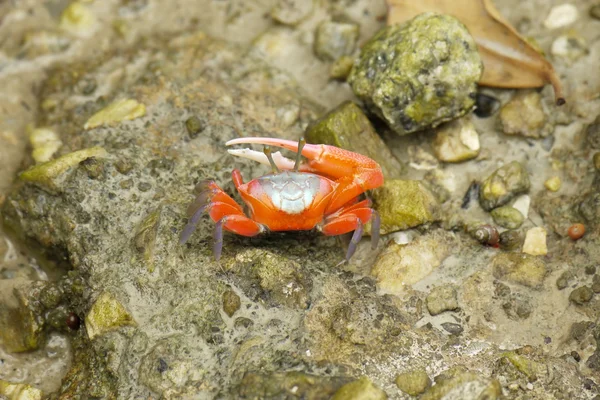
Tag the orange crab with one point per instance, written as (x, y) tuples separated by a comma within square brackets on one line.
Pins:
[(322, 193)]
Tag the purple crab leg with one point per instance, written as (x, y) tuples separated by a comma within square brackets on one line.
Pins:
[(356, 236), (190, 227), (375, 226), (218, 236)]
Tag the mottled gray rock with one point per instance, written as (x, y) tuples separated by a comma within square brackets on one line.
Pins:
[(437, 82)]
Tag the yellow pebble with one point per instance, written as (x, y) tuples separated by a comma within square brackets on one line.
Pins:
[(553, 184)]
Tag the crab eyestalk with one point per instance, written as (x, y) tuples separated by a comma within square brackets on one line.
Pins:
[(267, 152), (301, 144)]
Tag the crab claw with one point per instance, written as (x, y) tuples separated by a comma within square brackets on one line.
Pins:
[(281, 162), (327, 160)]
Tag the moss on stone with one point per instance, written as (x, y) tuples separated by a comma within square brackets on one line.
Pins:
[(524, 269), (508, 217), (404, 204), (346, 126)]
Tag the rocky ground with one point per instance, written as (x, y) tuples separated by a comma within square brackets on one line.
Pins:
[(481, 287)]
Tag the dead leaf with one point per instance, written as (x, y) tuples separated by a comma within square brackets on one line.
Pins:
[(509, 61)]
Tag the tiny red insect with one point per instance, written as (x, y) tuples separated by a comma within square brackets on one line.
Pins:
[(322, 193)]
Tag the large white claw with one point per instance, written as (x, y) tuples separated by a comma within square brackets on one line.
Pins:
[(282, 162)]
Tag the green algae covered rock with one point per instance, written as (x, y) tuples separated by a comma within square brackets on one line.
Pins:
[(347, 127), (503, 185), (404, 204), (418, 74), (361, 389), (106, 314)]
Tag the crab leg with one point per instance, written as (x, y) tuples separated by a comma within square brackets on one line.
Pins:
[(353, 172), (223, 210)]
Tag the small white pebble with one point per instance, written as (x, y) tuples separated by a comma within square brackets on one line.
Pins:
[(562, 15), (535, 242), (560, 47), (522, 205), (402, 237), (470, 138)]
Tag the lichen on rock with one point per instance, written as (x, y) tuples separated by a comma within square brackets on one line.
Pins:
[(418, 74)]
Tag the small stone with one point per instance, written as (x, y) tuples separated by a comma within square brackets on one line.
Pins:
[(19, 391), (404, 204), (595, 11), (596, 284), (561, 15), (581, 295), (106, 314), (592, 133), (452, 328), (590, 270), (507, 217), (535, 242), (570, 46), (579, 330), (596, 161), (335, 39), (553, 184), (523, 269), (524, 115), (291, 12), (531, 369), (437, 83), (503, 185), (341, 68), (347, 127), (400, 265), (442, 298), (563, 280), (361, 389), (194, 126), (460, 383), (511, 240), (456, 141), (231, 302), (78, 19), (45, 142), (120, 110), (144, 186), (414, 382), (485, 105), (521, 204)]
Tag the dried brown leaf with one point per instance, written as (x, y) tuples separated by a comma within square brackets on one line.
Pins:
[(509, 61)]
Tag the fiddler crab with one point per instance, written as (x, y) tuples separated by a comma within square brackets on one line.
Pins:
[(322, 193)]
